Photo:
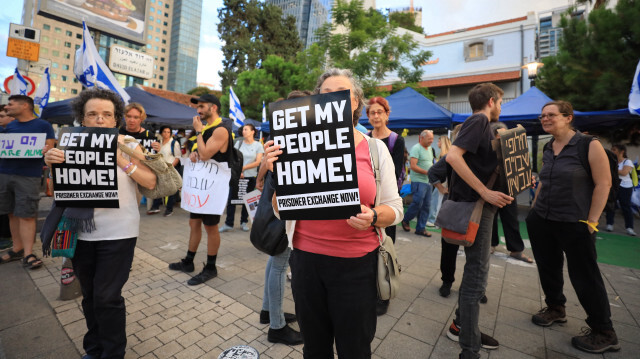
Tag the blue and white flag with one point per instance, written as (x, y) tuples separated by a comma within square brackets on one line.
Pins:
[(264, 113), (41, 98), (235, 110), (19, 85), (634, 96), (91, 70)]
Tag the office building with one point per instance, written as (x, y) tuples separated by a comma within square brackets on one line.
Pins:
[(185, 42), (310, 16)]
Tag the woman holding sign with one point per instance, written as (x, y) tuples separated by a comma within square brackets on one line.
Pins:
[(562, 222), (106, 236), (333, 262)]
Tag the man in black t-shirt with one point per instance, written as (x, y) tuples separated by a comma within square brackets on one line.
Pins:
[(134, 115), (473, 161)]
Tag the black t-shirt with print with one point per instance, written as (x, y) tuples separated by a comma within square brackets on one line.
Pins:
[(146, 138)]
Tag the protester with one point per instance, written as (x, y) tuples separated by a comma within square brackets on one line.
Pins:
[(563, 222), (170, 151), (473, 162), (134, 115), (213, 141), (509, 217), (333, 262), (20, 182), (624, 192), (378, 111), (421, 159), (4, 118), (252, 152), (444, 143), (5, 232), (106, 236)]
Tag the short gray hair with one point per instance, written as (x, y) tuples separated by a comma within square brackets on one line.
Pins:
[(423, 134), (355, 85)]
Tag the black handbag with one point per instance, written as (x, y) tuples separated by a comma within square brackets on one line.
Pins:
[(268, 233)]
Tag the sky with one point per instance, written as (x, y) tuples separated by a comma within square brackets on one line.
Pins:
[(437, 16)]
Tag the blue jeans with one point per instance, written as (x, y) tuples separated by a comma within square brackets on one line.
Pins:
[(436, 201), (274, 275), (421, 193), (474, 284)]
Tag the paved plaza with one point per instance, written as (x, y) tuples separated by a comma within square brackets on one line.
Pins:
[(169, 319)]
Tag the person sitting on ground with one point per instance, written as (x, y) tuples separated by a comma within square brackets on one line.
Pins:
[(624, 192), (170, 151)]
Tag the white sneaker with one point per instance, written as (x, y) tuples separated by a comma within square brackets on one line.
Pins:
[(631, 232), (609, 228), (429, 224), (225, 228), (245, 227)]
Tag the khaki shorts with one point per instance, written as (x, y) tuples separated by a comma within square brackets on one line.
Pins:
[(19, 195)]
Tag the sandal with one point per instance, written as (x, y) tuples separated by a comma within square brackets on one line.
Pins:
[(521, 257), (35, 263), (13, 256)]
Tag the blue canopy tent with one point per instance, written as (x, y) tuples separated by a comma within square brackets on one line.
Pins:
[(409, 109), (160, 110)]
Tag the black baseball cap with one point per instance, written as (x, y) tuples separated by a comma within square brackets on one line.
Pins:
[(210, 98)]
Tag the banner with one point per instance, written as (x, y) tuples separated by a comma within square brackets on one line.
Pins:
[(22, 145), (205, 186), (316, 175), (243, 183), (250, 201), (516, 160), (87, 178)]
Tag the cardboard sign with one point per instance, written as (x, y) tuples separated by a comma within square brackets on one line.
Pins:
[(316, 176), (205, 186), (243, 184), (514, 149), (87, 178), (250, 201), (22, 145)]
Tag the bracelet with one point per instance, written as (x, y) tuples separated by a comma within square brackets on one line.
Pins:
[(133, 170), (593, 225), (125, 168), (375, 217)]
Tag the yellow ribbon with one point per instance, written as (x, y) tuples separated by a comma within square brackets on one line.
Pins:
[(194, 139), (593, 225)]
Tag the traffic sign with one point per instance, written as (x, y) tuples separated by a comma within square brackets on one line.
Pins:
[(23, 32), (38, 66), (23, 49), (31, 86)]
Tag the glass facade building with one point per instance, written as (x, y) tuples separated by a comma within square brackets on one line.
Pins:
[(310, 16), (185, 41)]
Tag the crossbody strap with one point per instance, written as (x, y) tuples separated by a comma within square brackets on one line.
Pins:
[(375, 159)]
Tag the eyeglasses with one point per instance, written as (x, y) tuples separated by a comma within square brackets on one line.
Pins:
[(94, 116), (378, 113), (551, 116)]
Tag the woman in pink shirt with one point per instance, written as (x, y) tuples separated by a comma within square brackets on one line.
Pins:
[(333, 262)]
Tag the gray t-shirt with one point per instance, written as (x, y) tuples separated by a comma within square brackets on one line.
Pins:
[(250, 152)]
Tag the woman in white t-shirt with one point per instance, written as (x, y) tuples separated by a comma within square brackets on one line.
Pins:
[(252, 152), (170, 150), (624, 192)]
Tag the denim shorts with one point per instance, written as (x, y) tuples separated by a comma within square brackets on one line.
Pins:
[(19, 195)]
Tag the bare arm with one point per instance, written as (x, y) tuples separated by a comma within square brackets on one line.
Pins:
[(261, 173), (601, 176), (413, 164), (625, 170), (442, 189), (215, 143), (253, 164)]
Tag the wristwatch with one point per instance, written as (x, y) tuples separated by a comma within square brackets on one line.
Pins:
[(198, 133), (375, 217)]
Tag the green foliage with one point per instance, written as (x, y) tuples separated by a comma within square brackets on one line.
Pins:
[(597, 59), (405, 20), (201, 90), (424, 91)]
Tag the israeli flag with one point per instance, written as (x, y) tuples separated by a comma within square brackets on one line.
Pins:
[(264, 113), (634, 96), (41, 98), (19, 85), (235, 110), (91, 70)]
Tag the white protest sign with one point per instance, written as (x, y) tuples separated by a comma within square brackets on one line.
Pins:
[(22, 145), (205, 186), (251, 200)]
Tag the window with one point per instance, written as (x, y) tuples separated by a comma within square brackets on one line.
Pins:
[(55, 53), (155, 76), (146, 83), (164, 41), (157, 39), (162, 59), (150, 27), (44, 51), (159, 3), (67, 44), (153, 85), (153, 1), (54, 65), (164, 32), (79, 36), (63, 89), (52, 99), (155, 67), (45, 38), (54, 76), (161, 77), (46, 27), (67, 55), (58, 30), (65, 67), (166, 14), (63, 77), (165, 23), (158, 21), (151, 18), (56, 42), (153, 9), (157, 29), (166, 6), (148, 46), (149, 37), (75, 80), (477, 50), (68, 33), (74, 91), (53, 88), (161, 68), (156, 48), (163, 51), (160, 87), (77, 47)]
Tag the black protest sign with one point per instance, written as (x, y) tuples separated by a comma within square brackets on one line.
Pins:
[(87, 178), (316, 175), (516, 159), (236, 196)]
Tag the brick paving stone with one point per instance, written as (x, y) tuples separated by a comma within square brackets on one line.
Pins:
[(169, 335), (135, 316), (171, 312), (167, 350), (148, 333), (134, 307), (70, 316), (227, 319), (210, 342), (209, 327), (133, 328), (229, 331), (169, 323), (239, 310), (151, 320), (147, 346), (189, 338), (156, 308), (191, 352)]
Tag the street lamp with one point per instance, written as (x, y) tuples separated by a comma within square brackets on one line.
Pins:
[(532, 69)]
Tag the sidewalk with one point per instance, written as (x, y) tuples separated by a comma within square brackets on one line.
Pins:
[(169, 319)]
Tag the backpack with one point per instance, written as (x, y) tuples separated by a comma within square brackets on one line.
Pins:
[(583, 150), (235, 160), (392, 142)]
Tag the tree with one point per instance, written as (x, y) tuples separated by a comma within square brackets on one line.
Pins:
[(201, 90), (406, 20), (252, 30), (597, 59)]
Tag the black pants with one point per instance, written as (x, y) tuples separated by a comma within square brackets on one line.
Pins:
[(335, 298), (549, 240), (448, 256), (103, 268), (509, 216), (231, 208), (624, 198)]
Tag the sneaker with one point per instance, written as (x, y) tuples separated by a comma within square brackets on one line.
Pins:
[(549, 315), (430, 224), (288, 317), (445, 290), (631, 232), (609, 228), (167, 213), (225, 228), (153, 211), (203, 276), (245, 227), (486, 341), (286, 335), (593, 341), (183, 265)]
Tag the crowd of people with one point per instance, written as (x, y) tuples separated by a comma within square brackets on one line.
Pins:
[(333, 262)]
